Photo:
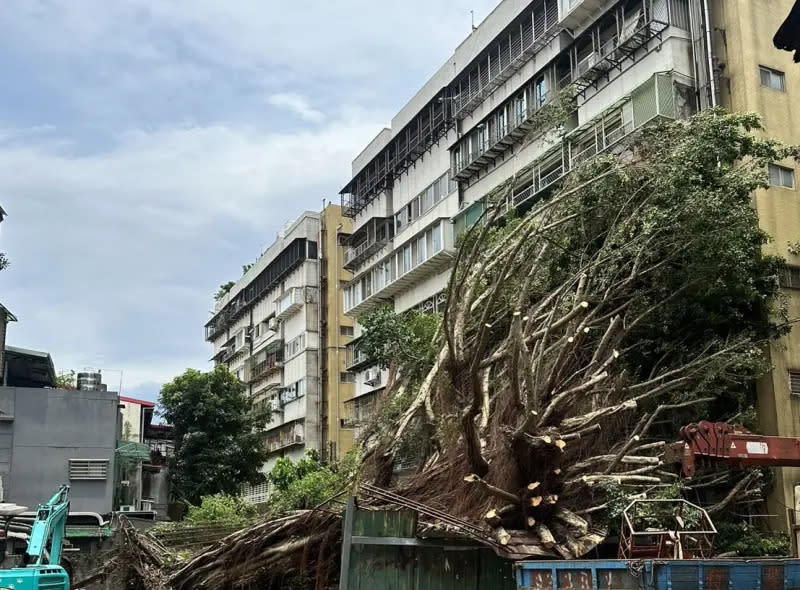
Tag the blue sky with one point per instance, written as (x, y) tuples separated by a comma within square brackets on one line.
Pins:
[(149, 149)]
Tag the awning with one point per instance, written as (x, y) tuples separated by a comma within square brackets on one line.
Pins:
[(133, 451)]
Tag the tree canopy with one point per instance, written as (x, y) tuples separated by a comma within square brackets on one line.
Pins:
[(635, 291), (219, 435)]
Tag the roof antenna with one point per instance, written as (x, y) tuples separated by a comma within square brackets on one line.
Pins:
[(472, 12)]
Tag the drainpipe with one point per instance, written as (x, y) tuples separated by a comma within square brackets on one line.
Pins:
[(709, 53), (693, 41), (321, 388), (337, 334)]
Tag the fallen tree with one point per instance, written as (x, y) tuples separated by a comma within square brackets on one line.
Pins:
[(636, 291), (576, 338)]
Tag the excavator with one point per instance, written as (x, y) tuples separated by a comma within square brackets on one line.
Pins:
[(42, 569)]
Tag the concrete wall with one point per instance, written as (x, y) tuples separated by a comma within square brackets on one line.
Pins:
[(49, 428), (748, 27), (334, 393)]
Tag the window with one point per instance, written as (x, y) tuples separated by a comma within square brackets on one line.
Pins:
[(790, 277), (295, 346), (347, 377), (292, 392), (346, 330), (540, 92), (502, 123), (406, 260), (794, 382), (437, 239), (781, 176), (772, 78), (88, 469)]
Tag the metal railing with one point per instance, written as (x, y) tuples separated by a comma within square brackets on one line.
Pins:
[(498, 133)]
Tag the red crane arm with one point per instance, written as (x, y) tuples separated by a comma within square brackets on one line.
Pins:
[(730, 445)]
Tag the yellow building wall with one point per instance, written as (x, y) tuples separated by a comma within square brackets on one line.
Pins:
[(743, 38), (338, 440)]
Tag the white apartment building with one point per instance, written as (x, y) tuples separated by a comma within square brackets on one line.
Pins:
[(422, 181), (266, 330)]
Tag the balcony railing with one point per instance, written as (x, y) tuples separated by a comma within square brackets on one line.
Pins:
[(636, 32), (285, 442), (654, 99), (374, 235), (500, 138), (290, 302), (354, 358)]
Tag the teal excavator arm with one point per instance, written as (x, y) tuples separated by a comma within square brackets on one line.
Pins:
[(51, 519)]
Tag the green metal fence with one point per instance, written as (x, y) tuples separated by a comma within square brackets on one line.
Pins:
[(380, 551)]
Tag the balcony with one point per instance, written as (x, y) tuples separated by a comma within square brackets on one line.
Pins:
[(636, 31), (426, 254), (655, 99), (266, 362), (290, 303), (355, 360), (285, 442), (574, 12), (500, 138), (504, 60), (368, 240)]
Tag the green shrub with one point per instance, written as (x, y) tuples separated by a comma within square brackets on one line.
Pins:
[(747, 541), (221, 509)]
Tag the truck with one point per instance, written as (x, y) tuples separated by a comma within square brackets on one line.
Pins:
[(680, 556)]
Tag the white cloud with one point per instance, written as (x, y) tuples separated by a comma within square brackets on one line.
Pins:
[(140, 167), (296, 104)]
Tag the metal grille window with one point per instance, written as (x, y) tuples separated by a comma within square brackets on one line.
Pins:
[(794, 382), (88, 469), (774, 79), (781, 176), (790, 277)]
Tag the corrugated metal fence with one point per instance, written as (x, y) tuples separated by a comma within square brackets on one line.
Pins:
[(380, 551)]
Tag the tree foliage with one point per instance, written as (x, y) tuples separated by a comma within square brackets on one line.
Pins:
[(219, 435), (66, 380), (222, 509), (305, 484), (223, 290), (406, 340), (636, 291)]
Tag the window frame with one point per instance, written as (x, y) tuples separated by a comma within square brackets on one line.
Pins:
[(773, 75), (794, 382), (782, 172)]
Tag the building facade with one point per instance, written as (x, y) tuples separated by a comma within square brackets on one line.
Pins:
[(277, 329), (749, 74), (51, 437), (473, 125), (422, 182)]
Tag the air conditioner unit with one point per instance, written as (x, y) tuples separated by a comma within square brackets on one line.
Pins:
[(127, 508), (372, 377), (272, 324)]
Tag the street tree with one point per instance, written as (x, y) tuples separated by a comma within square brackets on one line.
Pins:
[(219, 434)]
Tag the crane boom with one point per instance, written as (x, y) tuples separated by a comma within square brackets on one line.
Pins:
[(730, 445)]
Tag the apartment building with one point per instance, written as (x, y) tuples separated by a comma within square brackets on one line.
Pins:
[(749, 74), (280, 329), (422, 181)]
